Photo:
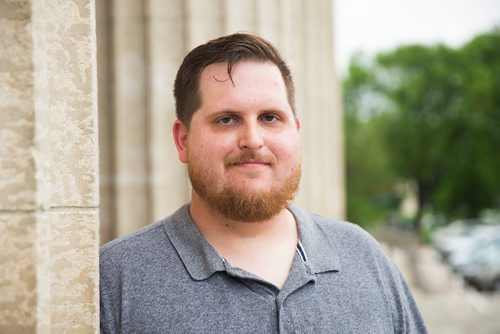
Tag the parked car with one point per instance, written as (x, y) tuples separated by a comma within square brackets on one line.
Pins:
[(460, 235), (483, 269), (476, 244)]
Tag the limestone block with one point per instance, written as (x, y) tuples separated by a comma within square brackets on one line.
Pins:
[(67, 272), (14, 10), (14, 42), (17, 273), (17, 182), (17, 172), (65, 102)]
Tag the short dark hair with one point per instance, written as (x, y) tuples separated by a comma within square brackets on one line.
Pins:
[(231, 49)]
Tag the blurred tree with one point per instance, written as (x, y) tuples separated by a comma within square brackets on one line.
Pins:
[(370, 179), (436, 111)]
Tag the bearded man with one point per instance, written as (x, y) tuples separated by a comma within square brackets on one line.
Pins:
[(240, 257)]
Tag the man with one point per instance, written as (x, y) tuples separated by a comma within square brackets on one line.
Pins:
[(240, 258)]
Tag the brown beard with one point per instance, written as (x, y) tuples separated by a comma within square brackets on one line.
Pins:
[(237, 206)]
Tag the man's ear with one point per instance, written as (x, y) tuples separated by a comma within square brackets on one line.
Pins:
[(180, 132), (297, 123)]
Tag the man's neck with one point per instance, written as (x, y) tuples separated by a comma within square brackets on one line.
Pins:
[(264, 248)]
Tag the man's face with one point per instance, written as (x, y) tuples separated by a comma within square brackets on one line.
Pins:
[(242, 148)]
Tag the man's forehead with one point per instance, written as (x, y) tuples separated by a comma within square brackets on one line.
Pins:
[(216, 76), (220, 71), (252, 84), (217, 72)]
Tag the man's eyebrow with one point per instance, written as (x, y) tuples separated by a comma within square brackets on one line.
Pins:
[(224, 112), (220, 113), (238, 112)]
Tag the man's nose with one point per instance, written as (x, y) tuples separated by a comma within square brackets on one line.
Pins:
[(251, 137)]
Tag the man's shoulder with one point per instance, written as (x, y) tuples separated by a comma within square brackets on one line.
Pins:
[(147, 238), (342, 228), (341, 233), (137, 240), (335, 227)]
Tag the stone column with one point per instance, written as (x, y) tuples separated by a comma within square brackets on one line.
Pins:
[(166, 43), (268, 20), (239, 15), (104, 24), (48, 168), (335, 199), (17, 172), (204, 20), (130, 115)]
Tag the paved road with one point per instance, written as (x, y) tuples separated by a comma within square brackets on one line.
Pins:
[(448, 305)]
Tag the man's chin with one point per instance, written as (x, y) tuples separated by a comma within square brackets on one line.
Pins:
[(246, 200), (250, 191)]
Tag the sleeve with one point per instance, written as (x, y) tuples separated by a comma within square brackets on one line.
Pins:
[(406, 315)]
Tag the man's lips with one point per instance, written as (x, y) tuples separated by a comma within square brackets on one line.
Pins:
[(251, 163), (249, 160)]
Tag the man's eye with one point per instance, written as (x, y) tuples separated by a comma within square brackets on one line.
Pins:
[(270, 118), (226, 120)]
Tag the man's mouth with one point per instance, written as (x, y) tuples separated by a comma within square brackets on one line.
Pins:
[(249, 159), (250, 162)]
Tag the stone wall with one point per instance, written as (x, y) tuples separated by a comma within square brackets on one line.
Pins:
[(140, 46), (48, 167)]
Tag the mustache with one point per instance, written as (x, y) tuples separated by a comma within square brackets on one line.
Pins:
[(249, 156)]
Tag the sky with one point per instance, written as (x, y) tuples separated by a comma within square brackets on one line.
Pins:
[(376, 25)]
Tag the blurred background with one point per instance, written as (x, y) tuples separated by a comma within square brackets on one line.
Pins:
[(400, 107), (421, 106)]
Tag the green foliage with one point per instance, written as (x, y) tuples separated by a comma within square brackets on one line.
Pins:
[(370, 179), (430, 115)]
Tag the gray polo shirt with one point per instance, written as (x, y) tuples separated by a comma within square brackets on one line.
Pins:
[(166, 278)]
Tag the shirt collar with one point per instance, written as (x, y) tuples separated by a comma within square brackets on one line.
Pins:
[(199, 257), (202, 260), (321, 254)]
